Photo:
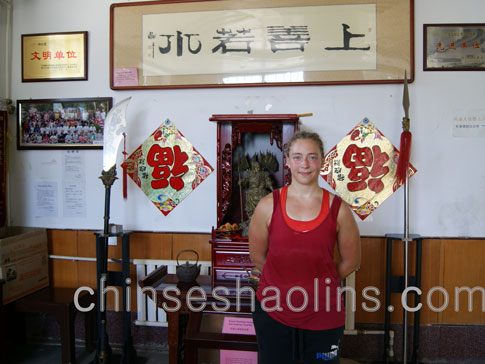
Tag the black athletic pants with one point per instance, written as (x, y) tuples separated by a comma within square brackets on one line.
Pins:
[(281, 344)]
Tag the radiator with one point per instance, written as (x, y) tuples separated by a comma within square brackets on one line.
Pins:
[(147, 312)]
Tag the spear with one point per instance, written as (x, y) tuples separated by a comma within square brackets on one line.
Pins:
[(402, 177), (406, 138)]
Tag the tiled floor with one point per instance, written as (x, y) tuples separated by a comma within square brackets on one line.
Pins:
[(51, 354)]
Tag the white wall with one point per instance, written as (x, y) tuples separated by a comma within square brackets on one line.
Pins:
[(5, 35), (447, 193)]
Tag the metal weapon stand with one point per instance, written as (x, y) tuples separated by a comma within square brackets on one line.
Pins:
[(397, 284), (106, 278), (400, 284)]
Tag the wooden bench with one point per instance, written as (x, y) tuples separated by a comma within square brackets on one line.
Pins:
[(59, 304)]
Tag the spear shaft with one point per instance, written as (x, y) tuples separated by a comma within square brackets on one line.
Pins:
[(405, 156)]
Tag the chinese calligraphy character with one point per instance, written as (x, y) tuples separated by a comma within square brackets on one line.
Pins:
[(359, 160), (167, 162), (378, 169), (71, 54), (288, 38), (59, 55), (35, 55), (347, 37), (46, 55), (180, 43), (229, 38)]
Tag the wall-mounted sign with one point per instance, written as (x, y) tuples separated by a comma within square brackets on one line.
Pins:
[(261, 43), (454, 47), (55, 57)]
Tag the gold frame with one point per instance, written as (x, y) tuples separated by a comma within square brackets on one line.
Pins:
[(55, 57), (394, 38)]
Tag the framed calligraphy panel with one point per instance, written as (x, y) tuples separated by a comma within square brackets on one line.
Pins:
[(55, 57), (227, 43)]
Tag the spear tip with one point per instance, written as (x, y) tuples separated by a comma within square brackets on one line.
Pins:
[(405, 98)]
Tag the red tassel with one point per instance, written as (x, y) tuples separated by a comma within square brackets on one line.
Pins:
[(125, 174), (125, 187), (404, 155)]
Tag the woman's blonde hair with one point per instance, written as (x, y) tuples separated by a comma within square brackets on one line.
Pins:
[(303, 135)]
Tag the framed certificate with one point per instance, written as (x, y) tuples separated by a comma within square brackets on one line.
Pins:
[(454, 47), (55, 57)]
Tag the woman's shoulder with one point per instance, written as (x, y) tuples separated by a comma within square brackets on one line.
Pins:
[(334, 198), (331, 195), (265, 204)]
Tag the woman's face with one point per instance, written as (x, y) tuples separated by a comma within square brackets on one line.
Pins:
[(305, 161)]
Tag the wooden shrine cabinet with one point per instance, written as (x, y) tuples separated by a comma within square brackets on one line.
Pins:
[(243, 137)]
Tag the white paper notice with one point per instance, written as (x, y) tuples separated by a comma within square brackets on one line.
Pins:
[(469, 123), (46, 199), (74, 185)]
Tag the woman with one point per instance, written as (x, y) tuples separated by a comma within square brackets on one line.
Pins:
[(299, 315)]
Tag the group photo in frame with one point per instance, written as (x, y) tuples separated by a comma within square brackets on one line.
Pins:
[(208, 43), (55, 57), (454, 47), (62, 123)]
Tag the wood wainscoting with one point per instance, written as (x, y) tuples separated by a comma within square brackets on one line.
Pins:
[(447, 263)]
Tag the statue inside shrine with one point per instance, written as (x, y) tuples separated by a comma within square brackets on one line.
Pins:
[(256, 183)]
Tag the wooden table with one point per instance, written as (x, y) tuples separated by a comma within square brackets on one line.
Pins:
[(59, 303), (177, 319)]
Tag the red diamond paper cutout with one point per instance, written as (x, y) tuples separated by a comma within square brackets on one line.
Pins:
[(167, 167), (361, 168)]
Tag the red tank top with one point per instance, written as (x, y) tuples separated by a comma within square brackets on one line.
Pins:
[(299, 264), (299, 225)]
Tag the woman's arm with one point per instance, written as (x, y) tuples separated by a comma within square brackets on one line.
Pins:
[(258, 231), (348, 242)]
